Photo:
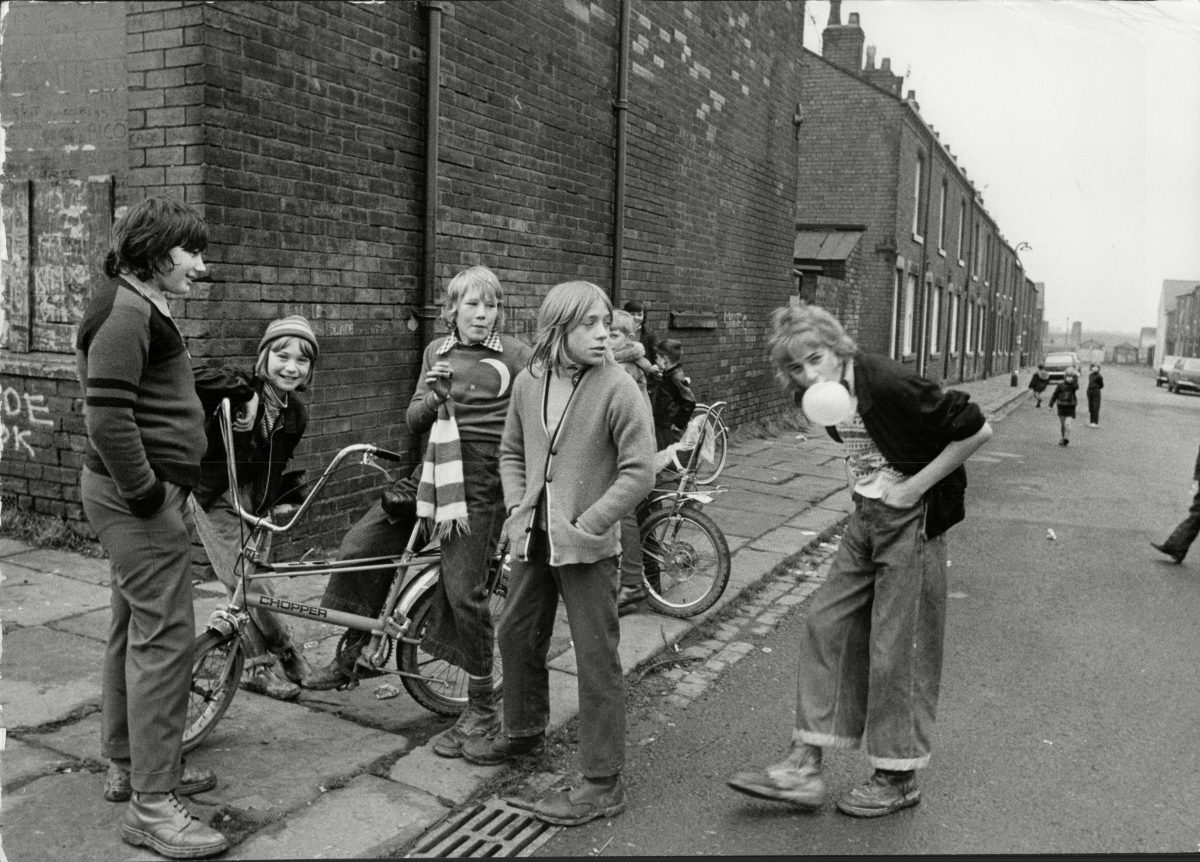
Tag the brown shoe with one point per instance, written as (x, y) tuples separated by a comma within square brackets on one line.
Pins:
[(884, 793), (796, 780), (118, 786), (263, 680), (490, 751), (164, 824), (583, 804)]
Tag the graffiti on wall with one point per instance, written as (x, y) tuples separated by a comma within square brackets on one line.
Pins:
[(21, 414)]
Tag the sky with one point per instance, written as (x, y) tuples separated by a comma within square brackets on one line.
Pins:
[(1077, 120)]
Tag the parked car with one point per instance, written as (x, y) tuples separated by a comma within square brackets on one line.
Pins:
[(1185, 375), (1165, 369), (1058, 363)]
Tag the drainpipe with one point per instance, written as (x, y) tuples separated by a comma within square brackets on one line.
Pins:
[(433, 68), (621, 107)]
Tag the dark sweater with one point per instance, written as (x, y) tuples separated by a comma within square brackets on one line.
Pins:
[(144, 421)]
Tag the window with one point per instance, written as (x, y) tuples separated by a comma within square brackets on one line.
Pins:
[(979, 330), (918, 193), (975, 251), (952, 324), (896, 313), (935, 310), (909, 330), (962, 228), (942, 219), (968, 330)]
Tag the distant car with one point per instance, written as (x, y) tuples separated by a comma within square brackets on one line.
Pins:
[(1185, 375), (1164, 369), (1058, 363)]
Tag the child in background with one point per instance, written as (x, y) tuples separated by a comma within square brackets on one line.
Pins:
[(575, 459), (270, 420), (627, 352), (1038, 383), (1065, 397), (673, 400)]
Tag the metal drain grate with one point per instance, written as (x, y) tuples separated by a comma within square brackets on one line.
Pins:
[(493, 828)]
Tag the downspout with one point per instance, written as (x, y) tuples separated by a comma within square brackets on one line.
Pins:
[(923, 354), (621, 108), (433, 68)]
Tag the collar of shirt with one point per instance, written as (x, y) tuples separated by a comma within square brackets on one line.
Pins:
[(492, 342), (153, 294)]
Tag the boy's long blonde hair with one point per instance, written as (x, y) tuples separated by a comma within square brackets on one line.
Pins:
[(564, 308), (795, 331)]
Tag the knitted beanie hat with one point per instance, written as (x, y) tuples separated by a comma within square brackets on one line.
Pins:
[(292, 326)]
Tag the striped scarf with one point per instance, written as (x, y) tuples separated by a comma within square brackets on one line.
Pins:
[(441, 496), (272, 405)]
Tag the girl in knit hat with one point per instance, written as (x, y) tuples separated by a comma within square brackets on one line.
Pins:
[(270, 420)]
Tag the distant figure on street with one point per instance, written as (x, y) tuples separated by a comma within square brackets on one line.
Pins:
[(1066, 397), (1181, 538), (1094, 385), (871, 660), (1038, 383)]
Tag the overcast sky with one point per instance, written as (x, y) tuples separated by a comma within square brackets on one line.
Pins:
[(1078, 120)]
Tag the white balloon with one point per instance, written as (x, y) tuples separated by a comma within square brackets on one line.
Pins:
[(827, 403)]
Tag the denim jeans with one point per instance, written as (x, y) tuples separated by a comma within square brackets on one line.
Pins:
[(375, 534), (223, 533), (589, 591), (148, 659), (460, 623), (871, 660), (1182, 536)]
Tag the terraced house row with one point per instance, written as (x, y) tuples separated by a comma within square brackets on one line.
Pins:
[(351, 156)]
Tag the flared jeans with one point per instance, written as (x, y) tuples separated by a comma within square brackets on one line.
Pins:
[(871, 660)]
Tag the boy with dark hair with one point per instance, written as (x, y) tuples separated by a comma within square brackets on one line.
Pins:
[(871, 661), (145, 439), (673, 399)]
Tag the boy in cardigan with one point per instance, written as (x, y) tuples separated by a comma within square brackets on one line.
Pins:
[(870, 666), (145, 438)]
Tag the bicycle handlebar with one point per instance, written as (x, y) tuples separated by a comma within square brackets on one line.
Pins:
[(367, 450)]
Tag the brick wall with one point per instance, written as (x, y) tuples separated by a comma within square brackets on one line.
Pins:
[(298, 129)]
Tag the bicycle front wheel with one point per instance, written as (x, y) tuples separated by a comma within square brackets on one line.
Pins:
[(715, 430), (436, 684), (686, 562), (216, 672)]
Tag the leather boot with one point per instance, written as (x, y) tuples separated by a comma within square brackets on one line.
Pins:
[(118, 786), (164, 824), (882, 794), (492, 750), (796, 779), (262, 679), (593, 799), (481, 718)]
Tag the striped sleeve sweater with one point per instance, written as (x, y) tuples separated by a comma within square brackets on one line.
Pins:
[(145, 423)]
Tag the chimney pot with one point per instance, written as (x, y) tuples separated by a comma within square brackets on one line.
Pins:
[(854, 19), (886, 65), (870, 65)]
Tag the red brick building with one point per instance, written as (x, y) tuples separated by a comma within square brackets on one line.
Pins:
[(925, 274), (350, 157)]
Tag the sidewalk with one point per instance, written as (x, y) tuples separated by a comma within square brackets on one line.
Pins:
[(333, 775)]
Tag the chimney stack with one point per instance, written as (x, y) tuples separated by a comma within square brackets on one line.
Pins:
[(842, 44), (870, 64)]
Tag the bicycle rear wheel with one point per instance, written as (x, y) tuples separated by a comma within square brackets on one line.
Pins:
[(440, 686), (714, 429), (216, 672), (686, 561)]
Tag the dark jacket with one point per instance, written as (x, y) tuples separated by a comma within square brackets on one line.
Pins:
[(674, 401), (260, 463), (1039, 381), (1064, 393), (1095, 382), (911, 420)]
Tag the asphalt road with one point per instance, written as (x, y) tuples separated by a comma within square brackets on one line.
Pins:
[(1070, 704)]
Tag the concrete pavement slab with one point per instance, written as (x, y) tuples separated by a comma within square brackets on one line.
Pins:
[(92, 570), (451, 780), (33, 596), (48, 675), (371, 817), (22, 761)]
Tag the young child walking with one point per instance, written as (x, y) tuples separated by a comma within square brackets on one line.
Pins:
[(1065, 395), (575, 458), (270, 419), (1038, 383), (871, 660)]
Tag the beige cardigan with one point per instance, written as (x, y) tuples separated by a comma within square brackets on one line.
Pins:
[(596, 470)]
